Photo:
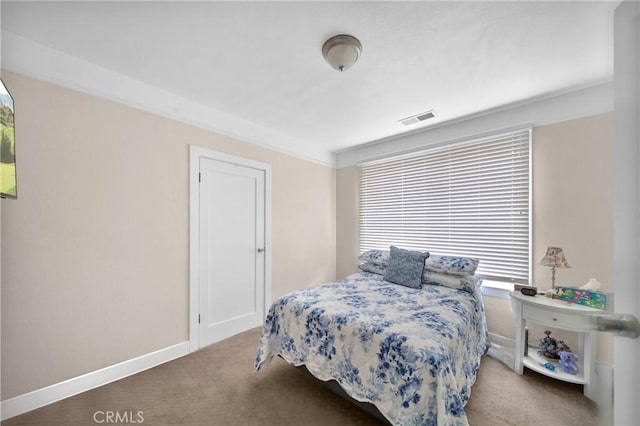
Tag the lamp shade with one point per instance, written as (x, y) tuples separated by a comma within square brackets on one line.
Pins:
[(341, 51), (554, 257)]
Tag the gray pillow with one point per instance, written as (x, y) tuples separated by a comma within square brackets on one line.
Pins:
[(405, 267)]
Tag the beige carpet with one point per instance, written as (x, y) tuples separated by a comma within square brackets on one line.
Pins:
[(216, 386)]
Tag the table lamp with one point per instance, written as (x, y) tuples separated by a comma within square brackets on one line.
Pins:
[(554, 257)]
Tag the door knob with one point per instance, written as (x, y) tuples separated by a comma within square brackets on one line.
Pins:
[(260, 250), (625, 325)]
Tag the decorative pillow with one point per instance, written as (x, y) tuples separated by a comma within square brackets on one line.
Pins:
[(467, 283), (372, 267), (378, 257), (405, 267), (452, 265)]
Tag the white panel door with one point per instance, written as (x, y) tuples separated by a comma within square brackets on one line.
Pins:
[(626, 190), (232, 241)]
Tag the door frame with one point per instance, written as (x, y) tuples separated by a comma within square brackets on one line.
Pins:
[(195, 154), (626, 203)]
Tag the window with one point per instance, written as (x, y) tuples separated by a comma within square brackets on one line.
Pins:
[(469, 199)]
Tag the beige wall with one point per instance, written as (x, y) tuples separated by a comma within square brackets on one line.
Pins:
[(572, 187), (95, 250), (573, 207), (0, 300), (347, 220)]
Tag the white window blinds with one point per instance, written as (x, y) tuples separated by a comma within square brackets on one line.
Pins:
[(467, 199)]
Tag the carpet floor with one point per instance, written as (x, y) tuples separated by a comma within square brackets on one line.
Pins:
[(217, 386)]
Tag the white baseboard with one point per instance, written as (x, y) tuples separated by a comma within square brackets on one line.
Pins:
[(503, 349), (53, 393), (604, 389)]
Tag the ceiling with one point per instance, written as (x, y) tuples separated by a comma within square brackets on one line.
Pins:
[(262, 62)]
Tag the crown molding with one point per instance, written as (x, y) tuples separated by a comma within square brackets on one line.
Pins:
[(540, 111), (35, 60), (26, 57)]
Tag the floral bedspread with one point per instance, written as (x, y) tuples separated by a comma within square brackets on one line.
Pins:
[(413, 353)]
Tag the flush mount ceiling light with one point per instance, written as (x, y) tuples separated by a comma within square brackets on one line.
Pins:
[(341, 51)]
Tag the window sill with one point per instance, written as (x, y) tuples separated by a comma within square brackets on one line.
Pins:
[(496, 289)]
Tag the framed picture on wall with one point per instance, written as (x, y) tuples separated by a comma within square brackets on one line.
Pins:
[(8, 181)]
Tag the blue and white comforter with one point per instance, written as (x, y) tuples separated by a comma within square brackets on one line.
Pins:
[(413, 353)]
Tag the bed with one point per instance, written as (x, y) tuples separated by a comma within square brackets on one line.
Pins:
[(411, 352)]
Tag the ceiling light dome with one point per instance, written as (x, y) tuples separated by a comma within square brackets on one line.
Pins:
[(341, 51)]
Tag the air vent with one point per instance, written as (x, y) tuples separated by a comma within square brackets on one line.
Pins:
[(417, 118)]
